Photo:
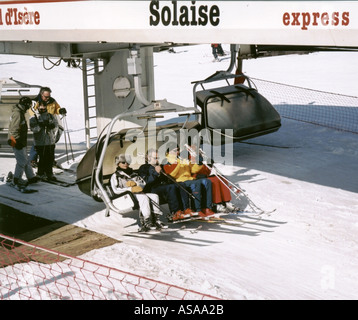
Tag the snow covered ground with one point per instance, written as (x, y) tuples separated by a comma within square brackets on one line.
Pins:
[(306, 249)]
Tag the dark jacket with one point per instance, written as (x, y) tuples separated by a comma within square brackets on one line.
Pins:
[(44, 126), (151, 177)]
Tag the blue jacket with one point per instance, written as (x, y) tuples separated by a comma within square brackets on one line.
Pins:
[(151, 177)]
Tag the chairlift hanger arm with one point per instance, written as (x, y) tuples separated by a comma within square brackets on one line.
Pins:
[(157, 108), (189, 114), (25, 85), (149, 117), (217, 76)]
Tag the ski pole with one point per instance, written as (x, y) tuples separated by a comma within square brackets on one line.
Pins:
[(179, 185), (69, 138), (222, 178), (150, 200), (174, 181), (66, 146), (194, 154), (217, 172), (219, 175), (226, 182)]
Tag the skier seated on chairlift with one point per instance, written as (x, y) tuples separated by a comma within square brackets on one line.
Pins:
[(182, 171), (171, 192), (125, 179), (220, 191)]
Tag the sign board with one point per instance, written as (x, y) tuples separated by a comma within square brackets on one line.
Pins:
[(318, 23)]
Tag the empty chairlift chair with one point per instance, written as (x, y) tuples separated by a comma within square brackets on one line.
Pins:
[(238, 107)]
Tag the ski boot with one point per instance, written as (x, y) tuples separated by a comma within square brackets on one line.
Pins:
[(19, 185), (230, 207), (180, 215), (157, 223), (206, 213), (191, 213), (10, 177), (220, 208), (146, 225)]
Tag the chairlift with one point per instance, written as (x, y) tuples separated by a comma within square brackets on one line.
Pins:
[(238, 107), (97, 166), (11, 91)]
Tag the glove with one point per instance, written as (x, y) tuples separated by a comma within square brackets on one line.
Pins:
[(136, 189), (131, 184), (11, 142), (62, 111), (51, 125)]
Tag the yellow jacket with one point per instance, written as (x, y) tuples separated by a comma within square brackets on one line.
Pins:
[(52, 107), (181, 170)]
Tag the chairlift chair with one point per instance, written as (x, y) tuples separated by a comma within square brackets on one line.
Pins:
[(238, 107), (96, 167)]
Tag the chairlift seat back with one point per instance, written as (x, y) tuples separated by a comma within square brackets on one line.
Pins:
[(239, 108)]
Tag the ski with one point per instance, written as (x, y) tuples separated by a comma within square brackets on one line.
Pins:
[(58, 166), (225, 58), (142, 233), (59, 183), (214, 60), (253, 213), (232, 222), (186, 220), (21, 188), (191, 230), (150, 231), (236, 218), (227, 221), (174, 51)]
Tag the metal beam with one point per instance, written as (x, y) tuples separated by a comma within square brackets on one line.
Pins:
[(72, 50)]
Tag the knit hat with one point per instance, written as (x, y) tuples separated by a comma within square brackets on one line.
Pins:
[(26, 102), (122, 158)]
